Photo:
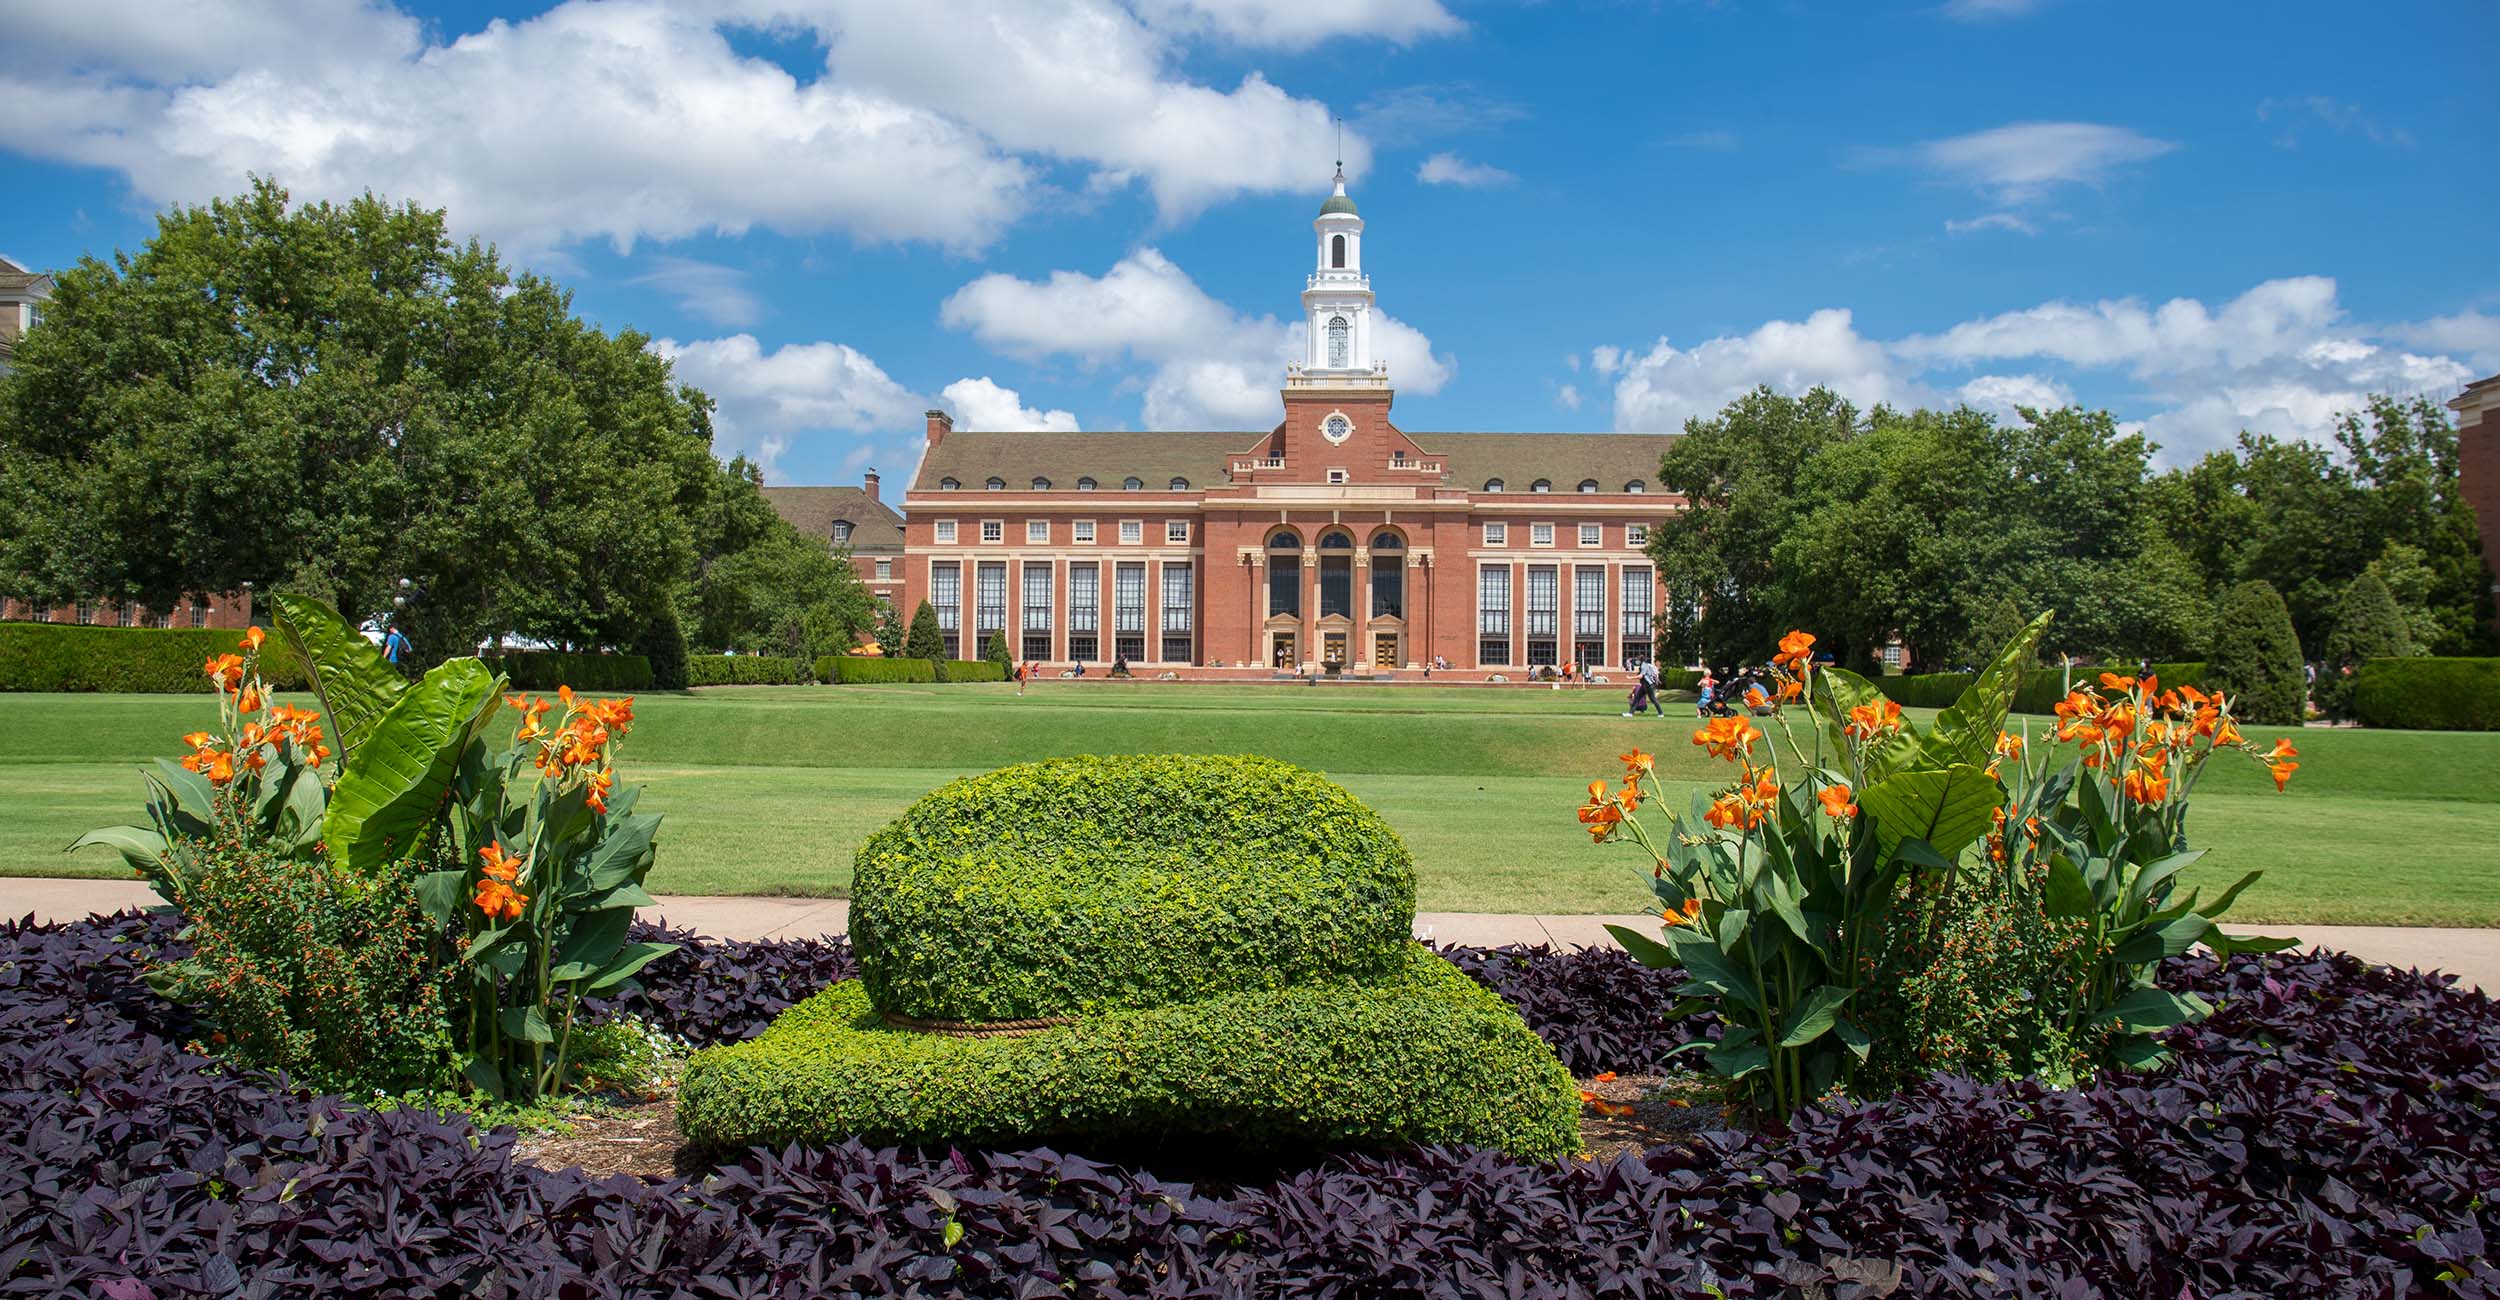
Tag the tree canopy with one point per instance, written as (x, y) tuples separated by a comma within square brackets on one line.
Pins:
[(333, 397)]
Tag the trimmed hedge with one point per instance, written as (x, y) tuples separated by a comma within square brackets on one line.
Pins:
[(2040, 691), (145, 660), (1424, 1056), (2428, 694), (747, 670), (970, 670), (545, 670), (1079, 884), (851, 670)]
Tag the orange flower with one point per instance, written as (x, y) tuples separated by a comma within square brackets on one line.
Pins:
[(600, 782), (225, 670), (199, 740), (252, 637), (1867, 721), (218, 766), (2114, 682), (1835, 801), (1636, 764), (2009, 745), (2282, 772), (2146, 782), (1684, 913), (500, 901), (1796, 651), (2282, 750), (249, 701), (1607, 1077), (1601, 814), (1727, 738), (1790, 690), (501, 865)]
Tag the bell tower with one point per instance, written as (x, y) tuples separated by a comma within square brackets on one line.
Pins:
[(1337, 299)]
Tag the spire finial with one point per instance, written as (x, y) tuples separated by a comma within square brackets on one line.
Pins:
[(1340, 124)]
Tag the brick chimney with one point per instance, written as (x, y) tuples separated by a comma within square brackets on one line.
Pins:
[(940, 424), (869, 481)]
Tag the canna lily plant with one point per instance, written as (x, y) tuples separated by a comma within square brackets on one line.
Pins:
[(1776, 888)]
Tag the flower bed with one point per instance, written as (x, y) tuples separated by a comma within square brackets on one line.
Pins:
[(2329, 1131)]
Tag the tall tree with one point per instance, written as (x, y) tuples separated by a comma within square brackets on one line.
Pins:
[(926, 640), (2256, 658), (2368, 625)]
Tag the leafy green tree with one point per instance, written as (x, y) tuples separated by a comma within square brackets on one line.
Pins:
[(925, 641), (785, 594), (2368, 625), (996, 651), (1999, 624), (890, 630), (664, 644), (2256, 655), (333, 397)]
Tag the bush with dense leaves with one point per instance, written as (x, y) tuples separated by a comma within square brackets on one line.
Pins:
[(2428, 694), (2329, 1132), (849, 670), (545, 670), (146, 660), (2368, 625), (664, 644), (2256, 657), (970, 670), (748, 670)]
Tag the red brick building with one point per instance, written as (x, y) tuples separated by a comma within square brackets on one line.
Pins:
[(853, 517), (2478, 466), (1334, 537), (232, 610)]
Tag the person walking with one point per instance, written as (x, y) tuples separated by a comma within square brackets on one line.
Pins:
[(395, 648), (1021, 673), (1645, 691), (1709, 688)]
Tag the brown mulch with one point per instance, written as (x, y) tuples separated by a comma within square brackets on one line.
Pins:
[(643, 1138)]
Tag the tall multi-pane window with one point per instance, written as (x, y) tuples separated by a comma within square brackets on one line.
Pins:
[(1180, 613), (946, 595), (86, 612), (1388, 576), (1588, 614), (1336, 576), (1493, 614), (1037, 531), (1638, 594), (199, 613), (1543, 615), (1084, 611), (125, 614), (990, 608), (1128, 612), (1037, 611), (1284, 576)]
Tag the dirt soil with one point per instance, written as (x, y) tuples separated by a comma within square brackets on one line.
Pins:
[(1625, 1113)]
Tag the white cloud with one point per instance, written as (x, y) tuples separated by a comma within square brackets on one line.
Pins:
[(769, 400), (981, 404), (638, 119), (1604, 358), (1204, 365), (1450, 169), (1299, 24), (2349, 119), (2472, 333), (705, 290), (1992, 221), (2023, 162), (1568, 395), (1407, 115), (1662, 388), (2280, 358)]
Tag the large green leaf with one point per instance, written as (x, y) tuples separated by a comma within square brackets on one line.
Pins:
[(1950, 809), (1838, 690), (2168, 939), (393, 789), (2152, 1009), (1813, 1017), (355, 680), (1966, 730), (1645, 950), (139, 846)]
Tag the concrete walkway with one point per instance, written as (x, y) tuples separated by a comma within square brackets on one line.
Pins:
[(2472, 955)]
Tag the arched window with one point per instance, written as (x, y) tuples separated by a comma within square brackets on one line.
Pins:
[(1635, 487), (1384, 540), (1132, 484), (841, 531), (1336, 574), (948, 485), (1588, 485), (1493, 485), (1284, 573), (1180, 485), (1542, 485), (1336, 252), (1284, 539), (1085, 485), (1388, 575), (996, 484), (1040, 484), (1337, 342)]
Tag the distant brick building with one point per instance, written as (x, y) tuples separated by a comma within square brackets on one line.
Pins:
[(2478, 466), (1335, 537), (21, 304), (854, 517)]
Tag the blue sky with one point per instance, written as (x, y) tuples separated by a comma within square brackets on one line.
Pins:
[(1057, 214)]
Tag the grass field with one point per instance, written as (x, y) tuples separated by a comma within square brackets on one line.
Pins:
[(771, 789)]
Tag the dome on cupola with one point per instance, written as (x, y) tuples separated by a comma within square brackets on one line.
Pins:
[(1338, 202)]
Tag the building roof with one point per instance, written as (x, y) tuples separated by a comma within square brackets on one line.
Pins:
[(875, 526), (15, 278), (971, 458)]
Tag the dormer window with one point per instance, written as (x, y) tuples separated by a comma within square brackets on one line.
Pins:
[(1132, 484), (841, 531), (1588, 485), (996, 484), (1542, 485), (1493, 485), (1635, 487), (1180, 485), (1041, 484), (948, 485), (1085, 485)]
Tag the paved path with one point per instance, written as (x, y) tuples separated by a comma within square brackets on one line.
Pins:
[(2473, 955)]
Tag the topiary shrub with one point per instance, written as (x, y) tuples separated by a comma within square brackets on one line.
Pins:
[(1185, 945), (996, 652), (2368, 625), (2256, 658), (865, 669), (748, 670), (926, 640), (970, 670), (545, 670), (2428, 694), (77, 657), (664, 644)]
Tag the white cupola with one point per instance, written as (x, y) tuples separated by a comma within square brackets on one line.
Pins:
[(1337, 299)]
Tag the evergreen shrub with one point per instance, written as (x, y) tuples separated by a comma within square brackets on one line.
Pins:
[(925, 640), (970, 670), (2256, 656), (142, 660), (2428, 694), (664, 644), (849, 670), (2368, 625), (1078, 884), (748, 670), (545, 670)]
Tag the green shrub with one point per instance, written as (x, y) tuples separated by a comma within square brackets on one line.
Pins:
[(2256, 656), (925, 640), (1978, 980), (328, 977), (545, 670), (970, 670), (1076, 884), (747, 670), (1925, 690), (1679, 679), (2428, 694), (996, 652), (1423, 1055), (2368, 625), (664, 644), (146, 660), (852, 670)]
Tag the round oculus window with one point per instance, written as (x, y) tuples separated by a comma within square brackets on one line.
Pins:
[(1337, 428)]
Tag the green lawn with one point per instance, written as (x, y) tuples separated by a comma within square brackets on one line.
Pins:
[(770, 790)]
